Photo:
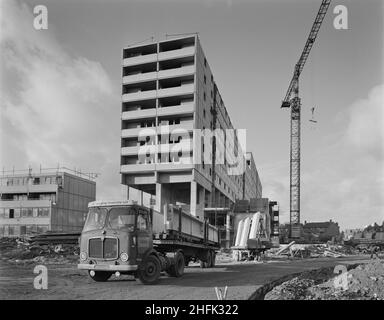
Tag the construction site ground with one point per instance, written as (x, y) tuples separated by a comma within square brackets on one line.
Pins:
[(243, 279)]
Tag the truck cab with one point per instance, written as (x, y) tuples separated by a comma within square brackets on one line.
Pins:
[(115, 238)]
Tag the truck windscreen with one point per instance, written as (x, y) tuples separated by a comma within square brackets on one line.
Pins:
[(121, 218), (95, 219)]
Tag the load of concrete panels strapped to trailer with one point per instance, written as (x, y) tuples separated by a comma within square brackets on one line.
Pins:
[(175, 219)]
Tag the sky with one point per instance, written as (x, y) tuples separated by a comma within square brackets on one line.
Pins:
[(60, 91)]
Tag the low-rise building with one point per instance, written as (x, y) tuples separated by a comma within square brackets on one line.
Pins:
[(48, 200), (321, 231)]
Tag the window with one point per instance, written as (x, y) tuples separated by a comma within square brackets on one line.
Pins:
[(24, 212), (6, 213), (35, 212), (29, 212), (205, 79), (204, 113), (17, 213), (1, 212), (205, 96), (205, 62), (141, 222), (45, 212)]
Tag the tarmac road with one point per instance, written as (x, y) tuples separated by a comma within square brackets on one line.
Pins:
[(242, 279)]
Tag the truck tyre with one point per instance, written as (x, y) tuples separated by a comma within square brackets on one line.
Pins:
[(101, 276), (208, 263), (177, 267), (213, 259), (149, 272)]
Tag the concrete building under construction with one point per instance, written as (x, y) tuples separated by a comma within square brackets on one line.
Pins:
[(47, 200), (169, 96)]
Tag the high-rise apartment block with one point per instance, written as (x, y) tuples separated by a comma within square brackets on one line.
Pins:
[(169, 95)]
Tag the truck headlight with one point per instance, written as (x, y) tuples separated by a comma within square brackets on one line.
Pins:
[(124, 257), (83, 256)]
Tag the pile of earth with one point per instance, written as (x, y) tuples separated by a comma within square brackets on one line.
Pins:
[(364, 282), (19, 250)]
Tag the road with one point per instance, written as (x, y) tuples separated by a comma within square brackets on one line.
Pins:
[(242, 279)]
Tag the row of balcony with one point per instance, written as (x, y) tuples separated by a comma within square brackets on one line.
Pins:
[(178, 110), (150, 167), (184, 89), (147, 58), (34, 188), (186, 145), (25, 203), (135, 132), (161, 74)]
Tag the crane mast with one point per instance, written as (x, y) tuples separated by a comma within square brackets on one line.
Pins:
[(292, 101)]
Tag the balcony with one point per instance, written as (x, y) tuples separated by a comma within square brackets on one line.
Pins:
[(139, 114), (140, 59), (135, 132), (182, 109), (130, 151), (175, 91), (140, 77), (179, 53), (176, 72), (174, 166), (25, 203), (182, 127), (25, 188), (140, 95), (137, 168)]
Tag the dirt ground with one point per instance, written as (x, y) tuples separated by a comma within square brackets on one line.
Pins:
[(363, 282), (65, 281)]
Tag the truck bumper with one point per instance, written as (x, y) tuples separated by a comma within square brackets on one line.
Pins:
[(106, 267)]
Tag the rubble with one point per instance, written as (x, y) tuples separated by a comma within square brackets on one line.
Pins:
[(20, 250), (364, 282)]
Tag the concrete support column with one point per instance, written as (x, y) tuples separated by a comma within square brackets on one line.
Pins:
[(193, 201), (159, 197), (228, 231)]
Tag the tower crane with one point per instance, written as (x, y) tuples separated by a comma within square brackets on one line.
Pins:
[(292, 101)]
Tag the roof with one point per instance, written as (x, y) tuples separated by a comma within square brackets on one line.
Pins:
[(109, 203)]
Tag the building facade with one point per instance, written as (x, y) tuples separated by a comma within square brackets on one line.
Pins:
[(44, 201), (176, 131), (321, 231)]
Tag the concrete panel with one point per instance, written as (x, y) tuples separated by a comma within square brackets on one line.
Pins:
[(140, 59), (180, 53)]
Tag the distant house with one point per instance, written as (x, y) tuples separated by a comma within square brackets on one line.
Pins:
[(321, 231)]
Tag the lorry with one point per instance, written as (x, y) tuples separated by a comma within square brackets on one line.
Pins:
[(123, 237)]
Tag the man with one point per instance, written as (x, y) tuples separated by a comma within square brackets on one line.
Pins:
[(375, 251)]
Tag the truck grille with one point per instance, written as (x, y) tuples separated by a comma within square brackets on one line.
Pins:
[(106, 249)]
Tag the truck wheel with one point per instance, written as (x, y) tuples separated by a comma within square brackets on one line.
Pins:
[(177, 267), (213, 262), (208, 263), (100, 276), (149, 273)]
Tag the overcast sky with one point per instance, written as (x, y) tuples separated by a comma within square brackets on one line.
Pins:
[(60, 91)]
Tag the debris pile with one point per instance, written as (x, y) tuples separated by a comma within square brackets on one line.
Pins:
[(364, 282), (20, 250), (313, 251)]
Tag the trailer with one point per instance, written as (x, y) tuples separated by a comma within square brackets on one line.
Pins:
[(122, 237)]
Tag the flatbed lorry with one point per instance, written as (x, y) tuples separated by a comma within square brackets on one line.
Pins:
[(122, 237)]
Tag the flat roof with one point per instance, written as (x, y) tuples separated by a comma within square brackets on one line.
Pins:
[(111, 203)]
